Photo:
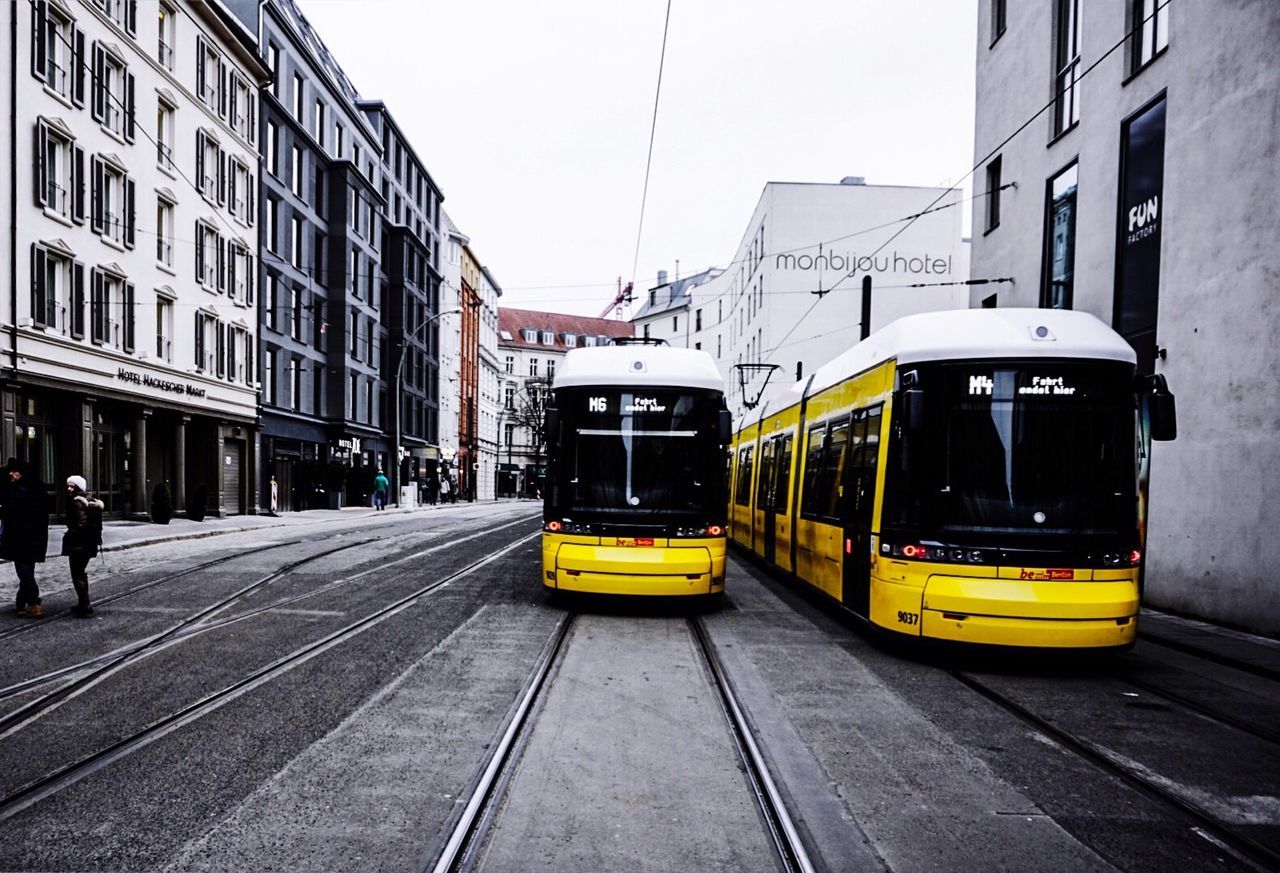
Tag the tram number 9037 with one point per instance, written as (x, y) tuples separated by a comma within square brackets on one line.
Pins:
[(908, 617)]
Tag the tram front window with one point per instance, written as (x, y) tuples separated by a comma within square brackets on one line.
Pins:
[(1039, 449), (639, 455)]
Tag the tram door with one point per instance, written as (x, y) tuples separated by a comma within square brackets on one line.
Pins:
[(779, 498), (858, 503), (764, 496)]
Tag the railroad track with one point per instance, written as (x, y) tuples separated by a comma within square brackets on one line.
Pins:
[(1207, 825), (469, 829), (72, 773), (87, 672), (1206, 654)]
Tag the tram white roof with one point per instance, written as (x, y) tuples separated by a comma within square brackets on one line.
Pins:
[(965, 334), (648, 366)]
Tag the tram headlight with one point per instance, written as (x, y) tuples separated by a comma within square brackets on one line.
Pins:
[(939, 553)]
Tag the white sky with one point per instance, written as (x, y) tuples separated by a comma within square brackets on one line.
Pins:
[(534, 118)]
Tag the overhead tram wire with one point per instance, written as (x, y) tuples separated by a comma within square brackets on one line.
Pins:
[(1041, 111), (653, 129)]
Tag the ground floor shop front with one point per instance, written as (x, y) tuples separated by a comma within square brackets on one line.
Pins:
[(139, 456)]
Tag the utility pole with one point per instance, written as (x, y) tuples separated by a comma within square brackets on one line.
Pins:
[(866, 306)]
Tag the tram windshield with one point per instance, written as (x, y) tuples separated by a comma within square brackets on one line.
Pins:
[(638, 455), (1034, 449)]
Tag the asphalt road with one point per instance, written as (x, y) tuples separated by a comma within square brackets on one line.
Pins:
[(358, 754)]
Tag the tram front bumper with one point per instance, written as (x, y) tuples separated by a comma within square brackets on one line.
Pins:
[(1011, 612), (656, 571)]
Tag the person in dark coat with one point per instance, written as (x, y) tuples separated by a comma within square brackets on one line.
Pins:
[(24, 537), (83, 537)]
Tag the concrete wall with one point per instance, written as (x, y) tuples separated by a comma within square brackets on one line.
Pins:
[(1211, 547)]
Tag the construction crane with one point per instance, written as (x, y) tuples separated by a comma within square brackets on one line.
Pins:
[(620, 299)]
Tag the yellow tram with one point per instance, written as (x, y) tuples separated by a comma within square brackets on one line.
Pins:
[(971, 476), (635, 493)]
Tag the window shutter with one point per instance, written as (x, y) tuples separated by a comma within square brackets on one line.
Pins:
[(222, 88), (39, 292), (232, 340), (200, 71), (222, 176), (41, 174), (199, 343), (232, 255), (249, 373), (77, 184), (131, 17), (250, 279), (77, 66), (97, 220), (252, 133), (39, 12), (76, 315), (99, 84), (200, 160), (221, 349), (97, 333), (222, 254), (130, 213), (199, 253), (128, 313), (128, 107), (250, 209)]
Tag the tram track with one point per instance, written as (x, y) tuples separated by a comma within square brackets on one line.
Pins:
[(1220, 658), (86, 673), (1204, 822), (69, 774)]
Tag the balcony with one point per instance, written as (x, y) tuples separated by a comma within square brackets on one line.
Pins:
[(164, 252)]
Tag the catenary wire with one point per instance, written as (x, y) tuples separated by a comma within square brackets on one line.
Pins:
[(653, 130)]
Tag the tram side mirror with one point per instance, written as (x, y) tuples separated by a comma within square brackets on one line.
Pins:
[(1162, 409), (913, 410), (725, 433)]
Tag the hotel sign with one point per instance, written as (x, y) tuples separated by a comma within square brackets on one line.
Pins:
[(146, 380)]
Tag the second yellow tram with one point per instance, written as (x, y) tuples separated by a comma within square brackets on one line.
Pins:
[(971, 476)]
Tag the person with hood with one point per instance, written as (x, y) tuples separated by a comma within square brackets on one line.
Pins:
[(24, 536), (82, 539)]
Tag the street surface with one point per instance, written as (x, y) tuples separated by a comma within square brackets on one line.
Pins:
[(324, 696)]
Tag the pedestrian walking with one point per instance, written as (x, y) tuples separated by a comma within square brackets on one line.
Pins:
[(380, 487), (82, 539), (444, 489), (433, 487), (24, 532)]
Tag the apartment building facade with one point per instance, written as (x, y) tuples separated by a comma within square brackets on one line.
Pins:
[(489, 388), (1139, 198), (130, 329)]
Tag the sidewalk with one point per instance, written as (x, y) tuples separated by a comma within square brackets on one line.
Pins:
[(120, 534)]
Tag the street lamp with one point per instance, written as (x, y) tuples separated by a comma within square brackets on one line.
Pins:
[(404, 350)]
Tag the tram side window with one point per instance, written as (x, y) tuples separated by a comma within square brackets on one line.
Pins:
[(812, 470), (861, 478), (742, 492), (766, 474), (835, 458), (782, 493)]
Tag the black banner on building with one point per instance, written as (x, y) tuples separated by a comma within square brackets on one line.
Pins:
[(1138, 231)]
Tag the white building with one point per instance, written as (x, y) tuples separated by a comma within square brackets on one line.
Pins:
[(128, 339), (450, 338), (1142, 196), (791, 294), (489, 400)]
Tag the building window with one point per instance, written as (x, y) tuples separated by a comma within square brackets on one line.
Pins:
[(511, 364), (164, 47), (675, 324), (122, 12), (240, 192), (295, 241), (319, 123), (1060, 240), (54, 39), (164, 232), (993, 194), (998, 12), (646, 331), (295, 171), (272, 154), (551, 369), (164, 134), (208, 166), (697, 320), (570, 341), (273, 218), (355, 397), (54, 281), (339, 140), (719, 350), (113, 93), (295, 385), (1067, 63), (113, 197), (273, 64), (59, 173), (509, 395), (164, 329), (299, 100), (241, 112), (269, 377), (1149, 25), (208, 256), (533, 367), (240, 268), (355, 271), (548, 338), (208, 66)]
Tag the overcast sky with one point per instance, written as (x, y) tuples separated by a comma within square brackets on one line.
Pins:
[(534, 118)]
